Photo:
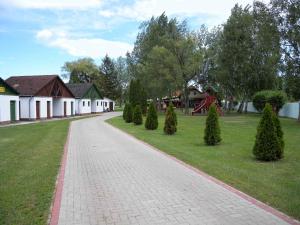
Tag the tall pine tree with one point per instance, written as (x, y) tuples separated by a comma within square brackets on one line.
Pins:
[(109, 79)]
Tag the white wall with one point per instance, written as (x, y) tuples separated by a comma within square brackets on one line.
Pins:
[(107, 100), (290, 109), (58, 106), (96, 106), (28, 107), (5, 107), (85, 108)]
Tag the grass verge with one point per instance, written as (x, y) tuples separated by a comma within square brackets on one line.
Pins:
[(275, 183), (30, 160)]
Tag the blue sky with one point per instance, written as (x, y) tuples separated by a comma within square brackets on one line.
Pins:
[(38, 36)]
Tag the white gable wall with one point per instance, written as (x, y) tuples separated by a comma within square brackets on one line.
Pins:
[(5, 107)]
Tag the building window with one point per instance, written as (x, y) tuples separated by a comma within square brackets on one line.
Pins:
[(88, 103), (101, 103), (105, 104), (97, 103), (83, 103)]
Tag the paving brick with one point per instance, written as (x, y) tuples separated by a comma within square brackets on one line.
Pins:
[(114, 179)]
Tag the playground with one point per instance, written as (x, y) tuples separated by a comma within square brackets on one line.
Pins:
[(276, 184)]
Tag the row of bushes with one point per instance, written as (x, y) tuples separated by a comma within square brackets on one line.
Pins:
[(269, 144), (135, 116)]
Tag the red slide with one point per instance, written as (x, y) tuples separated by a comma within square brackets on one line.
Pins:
[(205, 104)]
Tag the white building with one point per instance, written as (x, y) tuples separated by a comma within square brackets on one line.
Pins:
[(88, 98), (9, 103), (108, 104), (43, 97)]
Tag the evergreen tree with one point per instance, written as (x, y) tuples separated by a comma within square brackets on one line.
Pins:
[(125, 111), (173, 112), (151, 120), (143, 101), (212, 133), (137, 115), (109, 79), (138, 95), (129, 114), (133, 95), (267, 145), (170, 121), (279, 133)]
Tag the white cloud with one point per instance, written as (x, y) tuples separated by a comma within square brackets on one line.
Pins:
[(83, 47), (144, 9), (44, 34), (52, 4)]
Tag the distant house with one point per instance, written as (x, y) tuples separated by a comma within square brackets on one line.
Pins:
[(9, 103), (109, 105), (43, 97), (87, 98), (177, 99)]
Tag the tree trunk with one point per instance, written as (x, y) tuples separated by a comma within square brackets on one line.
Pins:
[(246, 107), (229, 108), (225, 104), (241, 106), (186, 99)]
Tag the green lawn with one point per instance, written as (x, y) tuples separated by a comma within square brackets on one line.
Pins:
[(277, 184), (30, 160)]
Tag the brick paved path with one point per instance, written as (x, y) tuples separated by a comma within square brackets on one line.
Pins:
[(112, 178)]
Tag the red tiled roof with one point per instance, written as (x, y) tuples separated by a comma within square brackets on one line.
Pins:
[(29, 85)]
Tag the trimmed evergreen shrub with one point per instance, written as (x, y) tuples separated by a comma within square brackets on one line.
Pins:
[(129, 114), (170, 121), (267, 145), (125, 111), (143, 101), (279, 133), (174, 114), (212, 132), (137, 115), (151, 120), (276, 98)]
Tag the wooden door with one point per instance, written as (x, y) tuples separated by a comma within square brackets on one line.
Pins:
[(65, 109), (111, 106), (38, 110), (12, 110), (48, 109), (72, 108)]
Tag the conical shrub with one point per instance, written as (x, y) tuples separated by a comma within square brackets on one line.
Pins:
[(170, 121), (212, 132), (137, 115), (151, 120), (129, 114), (125, 111), (267, 146), (279, 133), (174, 113)]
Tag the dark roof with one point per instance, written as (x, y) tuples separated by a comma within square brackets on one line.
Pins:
[(8, 86), (30, 85), (79, 90)]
